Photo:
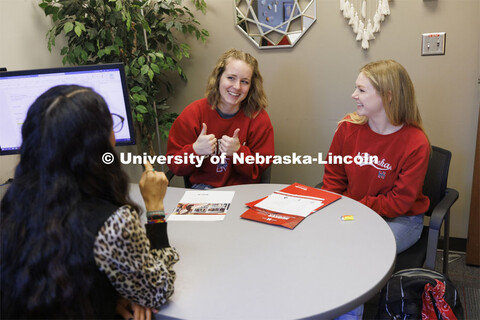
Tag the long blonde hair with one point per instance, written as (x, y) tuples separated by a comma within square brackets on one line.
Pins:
[(256, 98), (393, 84)]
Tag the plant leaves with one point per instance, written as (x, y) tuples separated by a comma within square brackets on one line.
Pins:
[(105, 31), (68, 27), (140, 108), (80, 25), (78, 31), (155, 67), (136, 89), (144, 69)]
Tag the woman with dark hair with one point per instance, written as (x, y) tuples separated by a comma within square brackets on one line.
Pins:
[(230, 120), (72, 245)]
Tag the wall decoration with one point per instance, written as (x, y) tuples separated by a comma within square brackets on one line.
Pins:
[(274, 23), (365, 17)]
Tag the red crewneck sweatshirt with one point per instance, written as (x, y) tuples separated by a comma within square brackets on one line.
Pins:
[(393, 186), (255, 135)]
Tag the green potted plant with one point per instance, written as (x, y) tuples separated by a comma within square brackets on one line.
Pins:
[(148, 36)]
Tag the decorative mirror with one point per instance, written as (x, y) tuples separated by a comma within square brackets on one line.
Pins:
[(275, 23)]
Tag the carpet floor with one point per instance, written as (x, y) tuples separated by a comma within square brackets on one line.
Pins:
[(467, 281), (465, 278)]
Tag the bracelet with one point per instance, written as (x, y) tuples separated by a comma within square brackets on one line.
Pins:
[(156, 221), (156, 216)]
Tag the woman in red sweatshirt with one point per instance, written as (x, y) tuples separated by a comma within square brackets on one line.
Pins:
[(210, 133), (387, 125)]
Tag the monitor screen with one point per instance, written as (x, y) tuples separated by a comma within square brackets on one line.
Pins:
[(19, 89)]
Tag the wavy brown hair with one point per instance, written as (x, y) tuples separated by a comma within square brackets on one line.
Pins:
[(256, 98)]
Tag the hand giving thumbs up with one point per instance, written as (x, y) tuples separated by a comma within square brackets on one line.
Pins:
[(230, 145), (205, 143)]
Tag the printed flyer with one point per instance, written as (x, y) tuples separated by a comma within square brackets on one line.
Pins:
[(202, 205), (289, 206)]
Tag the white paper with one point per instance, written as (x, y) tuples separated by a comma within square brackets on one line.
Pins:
[(202, 205), (290, 204)]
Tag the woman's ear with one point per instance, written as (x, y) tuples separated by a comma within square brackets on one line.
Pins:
[(112, 139), (389, 95)]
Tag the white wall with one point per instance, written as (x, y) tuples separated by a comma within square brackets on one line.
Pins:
[(309, 86), (23, 46)]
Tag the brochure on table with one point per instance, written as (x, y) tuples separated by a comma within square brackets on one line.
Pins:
[(289, 206), (202, 205)]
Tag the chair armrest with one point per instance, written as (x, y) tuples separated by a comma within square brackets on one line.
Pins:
[(169, 175), (266, 175), (441, 209)]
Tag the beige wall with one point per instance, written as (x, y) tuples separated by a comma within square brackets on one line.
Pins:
[(309, 86)]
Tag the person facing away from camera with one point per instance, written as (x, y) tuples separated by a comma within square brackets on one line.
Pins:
[(72, 245), (231, 120), (386, 126)]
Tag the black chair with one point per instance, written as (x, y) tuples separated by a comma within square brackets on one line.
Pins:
[(424, 252), (265, 178), (186, 179)]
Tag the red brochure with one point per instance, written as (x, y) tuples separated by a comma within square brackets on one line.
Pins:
[(289, 206)]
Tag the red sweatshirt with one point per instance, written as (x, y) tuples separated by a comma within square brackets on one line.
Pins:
[(393, 186), (255, 135)]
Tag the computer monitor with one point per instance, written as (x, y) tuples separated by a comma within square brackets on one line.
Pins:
[(19, 89)]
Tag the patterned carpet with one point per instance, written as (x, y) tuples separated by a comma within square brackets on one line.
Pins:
[(465, 278), (467, 281)]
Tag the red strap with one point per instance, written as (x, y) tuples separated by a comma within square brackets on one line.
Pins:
[(438, 294)]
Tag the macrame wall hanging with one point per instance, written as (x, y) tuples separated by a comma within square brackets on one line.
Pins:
[(365, 17)]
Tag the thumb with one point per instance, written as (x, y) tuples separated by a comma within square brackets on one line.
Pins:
[(204, 129), (235, 133)]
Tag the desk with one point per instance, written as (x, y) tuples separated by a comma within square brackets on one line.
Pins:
[(242, 269)]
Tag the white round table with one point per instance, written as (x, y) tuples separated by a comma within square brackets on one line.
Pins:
[(243, 269)]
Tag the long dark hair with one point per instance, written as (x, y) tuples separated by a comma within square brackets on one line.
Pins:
[(43, 225)]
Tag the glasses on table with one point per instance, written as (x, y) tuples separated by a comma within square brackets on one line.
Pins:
[(117, 122)]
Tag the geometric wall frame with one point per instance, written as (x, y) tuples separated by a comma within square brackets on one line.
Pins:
[(274, 23)]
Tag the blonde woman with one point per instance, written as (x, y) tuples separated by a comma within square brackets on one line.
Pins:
[(387, 124), (231, 119)]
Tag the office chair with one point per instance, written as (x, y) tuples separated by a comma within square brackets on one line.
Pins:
[(265, 177), (424, 252), (186, 179)]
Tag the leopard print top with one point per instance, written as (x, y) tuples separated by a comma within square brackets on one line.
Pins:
[(122, 252)]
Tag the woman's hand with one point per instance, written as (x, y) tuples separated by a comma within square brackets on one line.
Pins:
[(206, 143), (142, 313), (153, 186), (129, 310), (230, 145)]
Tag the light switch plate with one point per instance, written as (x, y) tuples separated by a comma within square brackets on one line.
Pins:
[(433, 43)]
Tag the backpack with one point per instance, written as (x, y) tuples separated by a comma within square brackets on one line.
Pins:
[(411, 292)]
